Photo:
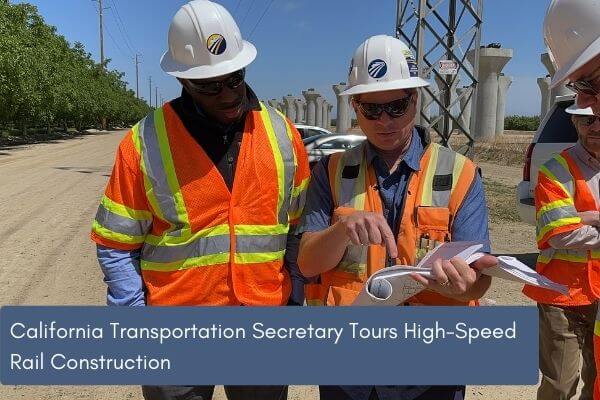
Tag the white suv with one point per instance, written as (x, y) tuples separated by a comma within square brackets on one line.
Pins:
[(555, 133)]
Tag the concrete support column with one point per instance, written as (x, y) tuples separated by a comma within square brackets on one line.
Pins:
[(319, 111), (328, 121), (560, 90), (504, 83), (324, 108), (311, 97), (544, 84), (491, 62), (465, 105), (300, 106), (343, 121), (289, 107)]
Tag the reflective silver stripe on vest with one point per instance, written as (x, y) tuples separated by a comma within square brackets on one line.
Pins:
[(260, 243), (547, 255), (350, 158), (119, 224), (298, 202), (199, 247), (287, 153), (444, 167), (155, 171), (563, 175), (355, 256), (555, 214)]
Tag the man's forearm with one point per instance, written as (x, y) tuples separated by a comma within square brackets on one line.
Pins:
[(584, 238), (122, 276), (323, 250)]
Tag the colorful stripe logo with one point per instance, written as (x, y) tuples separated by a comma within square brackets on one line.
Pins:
[(216, 44)]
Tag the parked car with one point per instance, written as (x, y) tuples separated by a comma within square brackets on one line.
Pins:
[(308, 131), (555, 133), (324, 145)]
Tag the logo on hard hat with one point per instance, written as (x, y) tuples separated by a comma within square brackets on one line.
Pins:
[(216, 44), (377, 68)]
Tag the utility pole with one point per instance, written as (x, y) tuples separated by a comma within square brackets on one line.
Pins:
[(137, 77), (100, 15), (156, 96), (150, 92)]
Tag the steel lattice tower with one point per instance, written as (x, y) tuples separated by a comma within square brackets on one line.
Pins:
[(445, 30)]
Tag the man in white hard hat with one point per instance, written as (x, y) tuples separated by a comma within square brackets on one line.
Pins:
[(572, 33), (204, 192), (567, 200), (390, 200)]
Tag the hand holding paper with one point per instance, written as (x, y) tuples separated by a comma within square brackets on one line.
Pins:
[(394, 285)]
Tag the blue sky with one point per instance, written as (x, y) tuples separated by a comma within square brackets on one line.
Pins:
[(301, 43)]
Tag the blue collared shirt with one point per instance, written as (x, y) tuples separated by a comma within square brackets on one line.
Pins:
[(470, 221)]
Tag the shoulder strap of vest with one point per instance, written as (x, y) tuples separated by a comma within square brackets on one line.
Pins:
[(557, 170), (584, 199), (347, 173), (447, 177), (280, 138)]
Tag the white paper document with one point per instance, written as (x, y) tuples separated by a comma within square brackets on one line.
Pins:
[(392, 286)]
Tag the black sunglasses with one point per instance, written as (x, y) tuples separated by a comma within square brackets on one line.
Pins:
[(394, 109), (213, 88), (583, 87), (586, 120)]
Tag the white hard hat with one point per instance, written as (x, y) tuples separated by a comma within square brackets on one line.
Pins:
[(204, 42), (572, 33), (573, 109), (382, 63)]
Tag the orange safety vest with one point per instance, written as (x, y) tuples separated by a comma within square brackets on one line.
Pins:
[(433, 196), (200, 243), (560, 194), (597, 355)]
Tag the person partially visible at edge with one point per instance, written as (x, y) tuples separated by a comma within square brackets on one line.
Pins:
[(571, 246), (567, 200), (206, 191), (572, 34), (393, 197)]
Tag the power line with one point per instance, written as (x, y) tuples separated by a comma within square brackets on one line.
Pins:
[(247, 12), (237, 6), (121, 26), (115, 42), (260, 19)]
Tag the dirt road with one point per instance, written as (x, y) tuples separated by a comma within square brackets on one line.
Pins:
[(47, 203)]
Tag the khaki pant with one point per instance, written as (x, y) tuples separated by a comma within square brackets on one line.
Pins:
[(566, 335)]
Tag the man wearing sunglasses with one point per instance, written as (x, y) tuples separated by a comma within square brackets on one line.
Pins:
[(204, 192), (567, 200), (572, 33), (389, 201)]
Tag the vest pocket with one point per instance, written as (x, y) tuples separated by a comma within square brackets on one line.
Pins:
[(433, 218), (339, 296)]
